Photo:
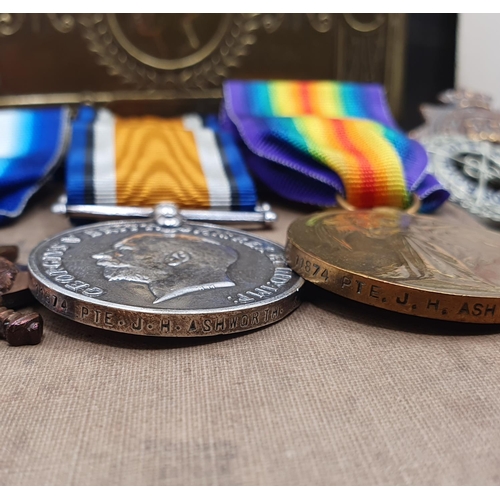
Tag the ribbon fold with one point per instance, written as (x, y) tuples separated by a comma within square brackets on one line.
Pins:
[(32, 144), (309, 140)]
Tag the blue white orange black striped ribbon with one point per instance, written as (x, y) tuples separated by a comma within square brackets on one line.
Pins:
[(143, 161)]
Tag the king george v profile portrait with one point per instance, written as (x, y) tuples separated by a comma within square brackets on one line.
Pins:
[(171, 265)]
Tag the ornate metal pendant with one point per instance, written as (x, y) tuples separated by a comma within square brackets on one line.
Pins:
[(463, 113), (469, 170), (462, 139)]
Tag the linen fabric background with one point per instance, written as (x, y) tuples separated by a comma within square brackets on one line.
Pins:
[(337, 393)]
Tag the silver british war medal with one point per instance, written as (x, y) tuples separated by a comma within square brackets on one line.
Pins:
[(165, 276), (462, 139)]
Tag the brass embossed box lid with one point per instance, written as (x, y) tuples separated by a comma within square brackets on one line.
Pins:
[(139, 58)]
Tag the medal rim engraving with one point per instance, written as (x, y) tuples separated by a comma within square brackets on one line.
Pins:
[(41, 286), (368, 289)]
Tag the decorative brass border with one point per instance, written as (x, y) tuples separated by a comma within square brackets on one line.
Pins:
[(395, 61), (365, 49), (11, 23), (168, 64), (357, 25), (203, 69), (71, 98)]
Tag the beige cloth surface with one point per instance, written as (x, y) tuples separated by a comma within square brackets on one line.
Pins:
[(337, 393)]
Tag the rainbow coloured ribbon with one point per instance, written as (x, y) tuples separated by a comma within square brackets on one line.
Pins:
[(309, 140), (148, 160)]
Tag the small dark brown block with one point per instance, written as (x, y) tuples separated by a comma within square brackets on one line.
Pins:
[(8, 272), (20, 328), (24, 329), (19, 295), (9, 252)]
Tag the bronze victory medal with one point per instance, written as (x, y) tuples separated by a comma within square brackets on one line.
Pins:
[(146, 278), (412, 264)]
